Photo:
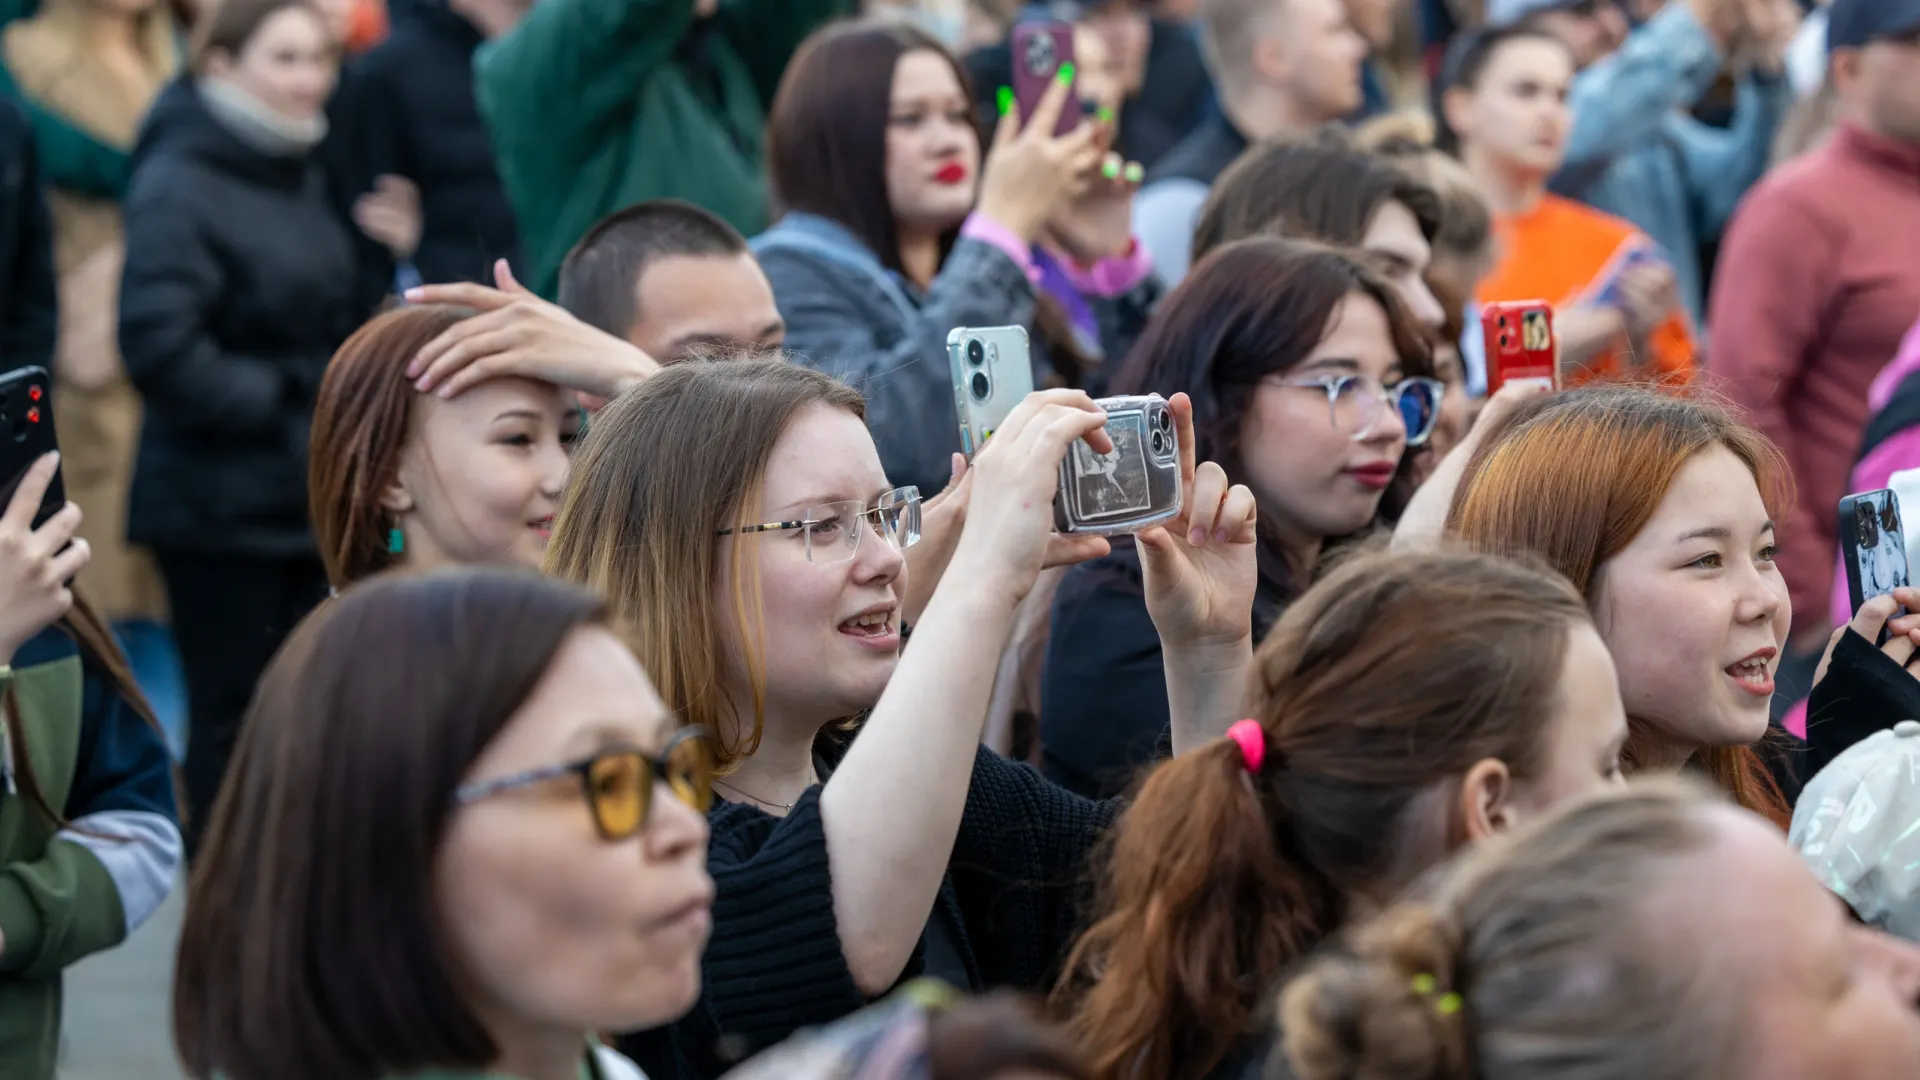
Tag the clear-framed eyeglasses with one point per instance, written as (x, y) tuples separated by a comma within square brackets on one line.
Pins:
[(1355, 403), (832, 530)]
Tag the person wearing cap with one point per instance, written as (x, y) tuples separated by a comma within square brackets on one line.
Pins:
[(1279, 66), (1636, 151), (1855, 828), (1818, 284)]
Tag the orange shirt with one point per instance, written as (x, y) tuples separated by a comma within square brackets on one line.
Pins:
[(1565, 253)]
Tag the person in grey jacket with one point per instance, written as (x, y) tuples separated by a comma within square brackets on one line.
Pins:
[(1636, 149), (882, 248)]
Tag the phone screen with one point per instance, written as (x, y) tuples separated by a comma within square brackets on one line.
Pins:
[(1874, 539)]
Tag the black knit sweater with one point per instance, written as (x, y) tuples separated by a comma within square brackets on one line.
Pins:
[(1014, 886)]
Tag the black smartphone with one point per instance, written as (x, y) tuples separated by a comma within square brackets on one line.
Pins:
[(26, 435), (1873, 546)]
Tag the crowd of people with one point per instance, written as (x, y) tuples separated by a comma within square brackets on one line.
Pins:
[(471, 414)]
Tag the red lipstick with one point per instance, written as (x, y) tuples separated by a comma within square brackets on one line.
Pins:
[(951, 173)]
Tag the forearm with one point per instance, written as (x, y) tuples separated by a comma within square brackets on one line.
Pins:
[(892, 809), (1586, 334), (1206, 690)]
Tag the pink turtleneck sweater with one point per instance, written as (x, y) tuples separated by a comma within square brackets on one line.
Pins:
[(1816, 284)]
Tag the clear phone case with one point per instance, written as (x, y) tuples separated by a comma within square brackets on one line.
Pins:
[(1134, 486)]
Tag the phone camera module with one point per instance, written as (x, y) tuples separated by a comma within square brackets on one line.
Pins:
[(981, 386), (1866, 527), (1040, 61), (1158, 441), (976, 352), (1163, 420)]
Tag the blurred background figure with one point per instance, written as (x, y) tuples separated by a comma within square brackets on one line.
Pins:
[(238, 287), (97, 66)]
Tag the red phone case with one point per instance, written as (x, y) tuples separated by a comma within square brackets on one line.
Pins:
[(1039, 48), (1519, 343)]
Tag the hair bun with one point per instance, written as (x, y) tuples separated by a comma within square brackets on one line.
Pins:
[(1384, 1008)]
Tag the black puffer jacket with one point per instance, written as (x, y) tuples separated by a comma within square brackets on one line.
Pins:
[(238, 288), (406, 108)]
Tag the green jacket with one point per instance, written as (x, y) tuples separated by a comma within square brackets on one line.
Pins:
[(68, 892), (594, 105)]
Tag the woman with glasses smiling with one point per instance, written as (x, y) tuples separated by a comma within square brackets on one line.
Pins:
[(737, 517), (1311, 385), (414, 873)]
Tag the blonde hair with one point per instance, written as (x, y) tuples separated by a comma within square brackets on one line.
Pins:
[(662, 470), (1534, 958)]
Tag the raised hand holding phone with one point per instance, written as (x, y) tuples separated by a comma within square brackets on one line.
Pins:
[(1200, 567), (36, 564), (1009, 534), (1030, 172)]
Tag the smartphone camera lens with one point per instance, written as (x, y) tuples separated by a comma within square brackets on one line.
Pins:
[(1159, 441), (1163, 420), (976, 353), (981, 386), (20, 429)]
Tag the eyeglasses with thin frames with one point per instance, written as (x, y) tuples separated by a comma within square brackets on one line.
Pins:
[(1355, 403), (832, 531), (619, 782)]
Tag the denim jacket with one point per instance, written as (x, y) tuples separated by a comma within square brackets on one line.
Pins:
[(1636, 153), (851, 317)]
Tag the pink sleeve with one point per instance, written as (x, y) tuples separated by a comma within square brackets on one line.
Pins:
[(1113, 277), (988, 231)]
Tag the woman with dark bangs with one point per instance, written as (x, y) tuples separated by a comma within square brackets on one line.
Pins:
[(894, 230), (1313, 386)]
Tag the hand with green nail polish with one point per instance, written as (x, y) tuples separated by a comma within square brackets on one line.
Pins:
[(1031, 173)]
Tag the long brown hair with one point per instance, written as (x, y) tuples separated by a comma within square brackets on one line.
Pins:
[(664, 468), (1389, 678), (1577, 476), (361, 420), (100, 651)]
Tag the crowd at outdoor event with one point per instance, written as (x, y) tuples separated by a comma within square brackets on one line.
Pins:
[(444, 437)]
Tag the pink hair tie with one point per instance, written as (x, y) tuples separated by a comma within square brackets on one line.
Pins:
[(1252, 740)]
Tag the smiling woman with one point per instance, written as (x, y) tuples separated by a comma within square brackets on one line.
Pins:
[(1660, 511), (396, 476)]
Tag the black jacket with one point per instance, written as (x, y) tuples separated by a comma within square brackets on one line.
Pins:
[(238, 287), (1203, 154), (1014, 891), (406, 108), (28, 318)]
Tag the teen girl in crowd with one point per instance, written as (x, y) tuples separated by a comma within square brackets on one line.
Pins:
[(1502, 103), (89, 825), (1309, 381), (737, 516), (893, 231), (1657, 934), (1321, 187), (1660, 511), (238, 287), (1498, 697), (526, 844)]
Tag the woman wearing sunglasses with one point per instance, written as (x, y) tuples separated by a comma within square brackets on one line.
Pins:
[(409, 873), (738, 519), (1312, 386)]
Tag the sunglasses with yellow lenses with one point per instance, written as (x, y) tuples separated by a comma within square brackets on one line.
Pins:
[(619, 782)]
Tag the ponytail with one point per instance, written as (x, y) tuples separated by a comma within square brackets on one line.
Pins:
[(1385, 1006), (1200, 911)]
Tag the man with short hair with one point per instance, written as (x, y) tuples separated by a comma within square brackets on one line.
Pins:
[(671, 279), (1818, 284), (1279, 66), (651, 284)]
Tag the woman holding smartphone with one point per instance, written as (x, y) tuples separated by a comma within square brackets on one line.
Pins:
[(1310, 382), (894, 231), (764, 586)]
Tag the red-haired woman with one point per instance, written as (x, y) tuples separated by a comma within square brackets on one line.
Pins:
[(1660, 510), (1404, 706)]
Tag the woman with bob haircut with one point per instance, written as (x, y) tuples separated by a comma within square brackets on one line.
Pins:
[(1660, 510), (1496, 695), (1653, 934), (737, 517), (410, 872)]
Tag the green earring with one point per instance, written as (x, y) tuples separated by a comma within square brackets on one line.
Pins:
[(396, 541)]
